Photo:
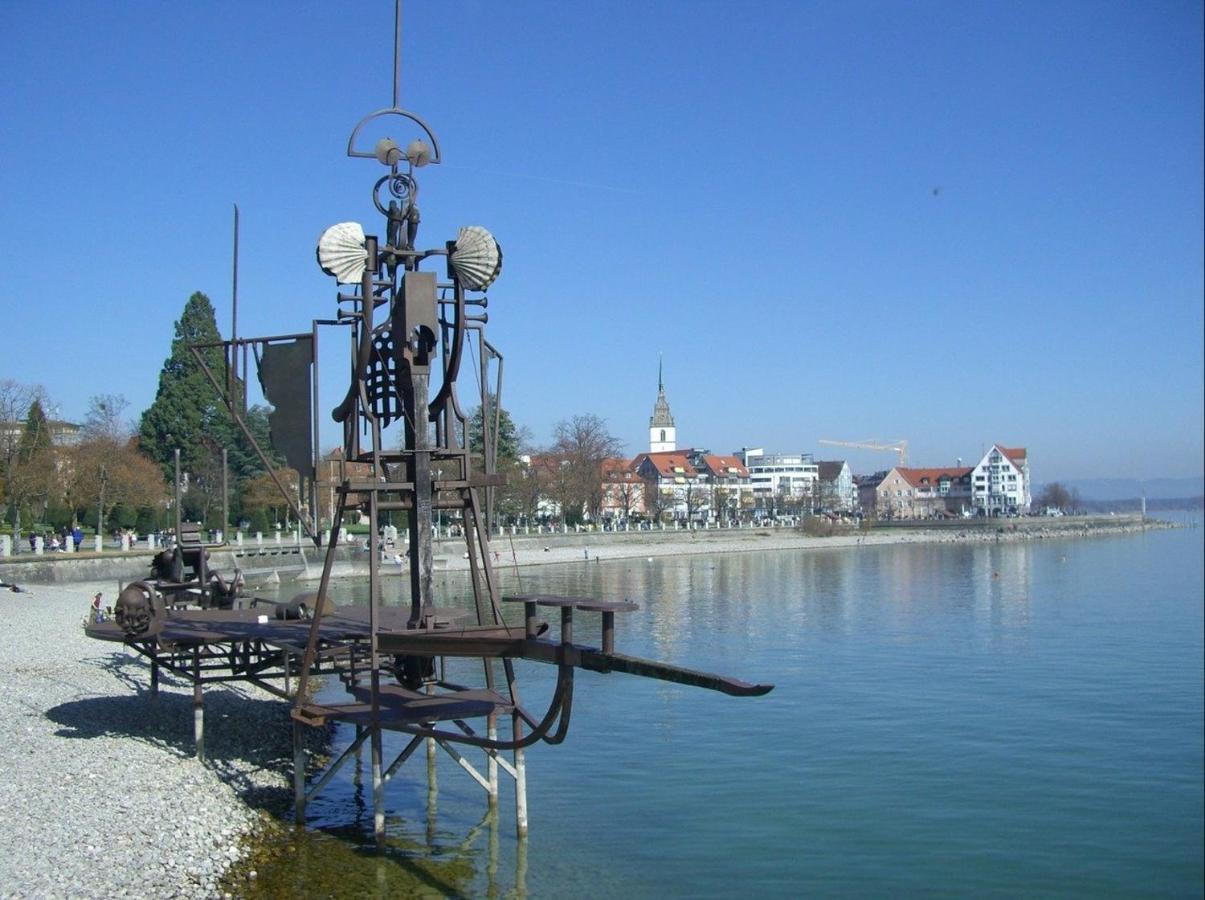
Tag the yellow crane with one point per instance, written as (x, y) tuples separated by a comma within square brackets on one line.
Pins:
[(899, 446)]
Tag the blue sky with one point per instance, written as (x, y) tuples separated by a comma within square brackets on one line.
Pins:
[(747, 188)]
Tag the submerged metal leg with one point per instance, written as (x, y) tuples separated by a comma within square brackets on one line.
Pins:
[(432, 793), (492, 762), (378, 789), (284, 661), (154, 678), (520, 782)]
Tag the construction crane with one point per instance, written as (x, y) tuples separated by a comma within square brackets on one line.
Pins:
[(899, 446)]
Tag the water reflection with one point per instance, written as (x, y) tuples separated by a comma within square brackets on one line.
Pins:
[(980, 698)]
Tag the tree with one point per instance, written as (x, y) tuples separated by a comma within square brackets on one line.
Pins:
[(260, 494), (15, 402), (583, 443), (527, 485), (106, 473), (31, 476), (189, 414), (1056, 495), (105, 419), (657, 501), (508, 439), (624, 488), (510, 442)]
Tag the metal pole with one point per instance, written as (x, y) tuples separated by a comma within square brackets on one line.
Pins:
[(378, 788), (233, 370), (520, 780), (198, 708), (314, 436), (225, 495), (492, 761), (397, 51), (179, 513), (298, 774)]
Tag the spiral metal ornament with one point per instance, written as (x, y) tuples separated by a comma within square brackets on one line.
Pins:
[(401, 186)]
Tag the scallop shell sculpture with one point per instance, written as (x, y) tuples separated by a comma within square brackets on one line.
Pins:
[(477, 259), (341, 252)]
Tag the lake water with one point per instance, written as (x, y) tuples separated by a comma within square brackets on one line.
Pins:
[(953, 719)]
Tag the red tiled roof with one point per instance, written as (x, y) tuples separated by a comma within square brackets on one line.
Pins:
[(719, 465), (1016, 454), (666, 461), (915, 476), (619, 470)]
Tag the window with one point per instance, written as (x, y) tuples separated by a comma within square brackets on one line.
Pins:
[(663, 435)]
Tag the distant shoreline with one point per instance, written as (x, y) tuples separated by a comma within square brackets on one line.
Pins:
[(561, 547), (532, 550)]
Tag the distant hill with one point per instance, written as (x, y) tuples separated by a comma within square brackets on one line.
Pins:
[(1130, 488)]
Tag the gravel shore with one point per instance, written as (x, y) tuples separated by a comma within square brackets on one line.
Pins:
[(100, 793)]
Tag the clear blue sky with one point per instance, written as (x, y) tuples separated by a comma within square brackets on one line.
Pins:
[(747, 188)]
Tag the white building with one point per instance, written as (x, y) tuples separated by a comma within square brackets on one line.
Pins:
[(837, 491), (781, 480), (1000, 483)]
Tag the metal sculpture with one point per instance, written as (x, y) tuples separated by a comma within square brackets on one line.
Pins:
[(411, 330), (411, 333)]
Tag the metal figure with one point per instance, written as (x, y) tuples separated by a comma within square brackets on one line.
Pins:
[(410, 333)]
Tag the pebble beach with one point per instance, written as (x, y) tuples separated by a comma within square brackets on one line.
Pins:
[(100, 793)]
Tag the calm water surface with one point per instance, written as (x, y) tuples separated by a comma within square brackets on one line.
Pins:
[(948, 720)]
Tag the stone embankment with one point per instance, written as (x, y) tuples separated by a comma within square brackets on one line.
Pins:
[(272, 564)]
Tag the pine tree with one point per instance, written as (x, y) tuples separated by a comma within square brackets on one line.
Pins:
[(31, 477), (187, 412)]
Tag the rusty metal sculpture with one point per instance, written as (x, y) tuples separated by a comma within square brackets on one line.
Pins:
[(412, 330)]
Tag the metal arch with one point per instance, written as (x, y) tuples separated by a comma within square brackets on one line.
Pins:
[(392, 111)]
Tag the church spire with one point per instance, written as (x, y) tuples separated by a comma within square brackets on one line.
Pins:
[(662, 434)]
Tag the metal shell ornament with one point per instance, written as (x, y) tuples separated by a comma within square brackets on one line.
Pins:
[(477, 259), (341, 252)]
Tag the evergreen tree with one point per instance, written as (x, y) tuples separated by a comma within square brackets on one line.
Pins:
[(507, 439), (32, 474), (187, 412)]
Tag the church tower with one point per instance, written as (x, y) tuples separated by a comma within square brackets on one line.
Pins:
[(662, 434)]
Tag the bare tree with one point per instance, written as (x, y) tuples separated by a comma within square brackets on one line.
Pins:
[(624, 486), (104, 419), (656, 500), (583, 443), (1057, 496)]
